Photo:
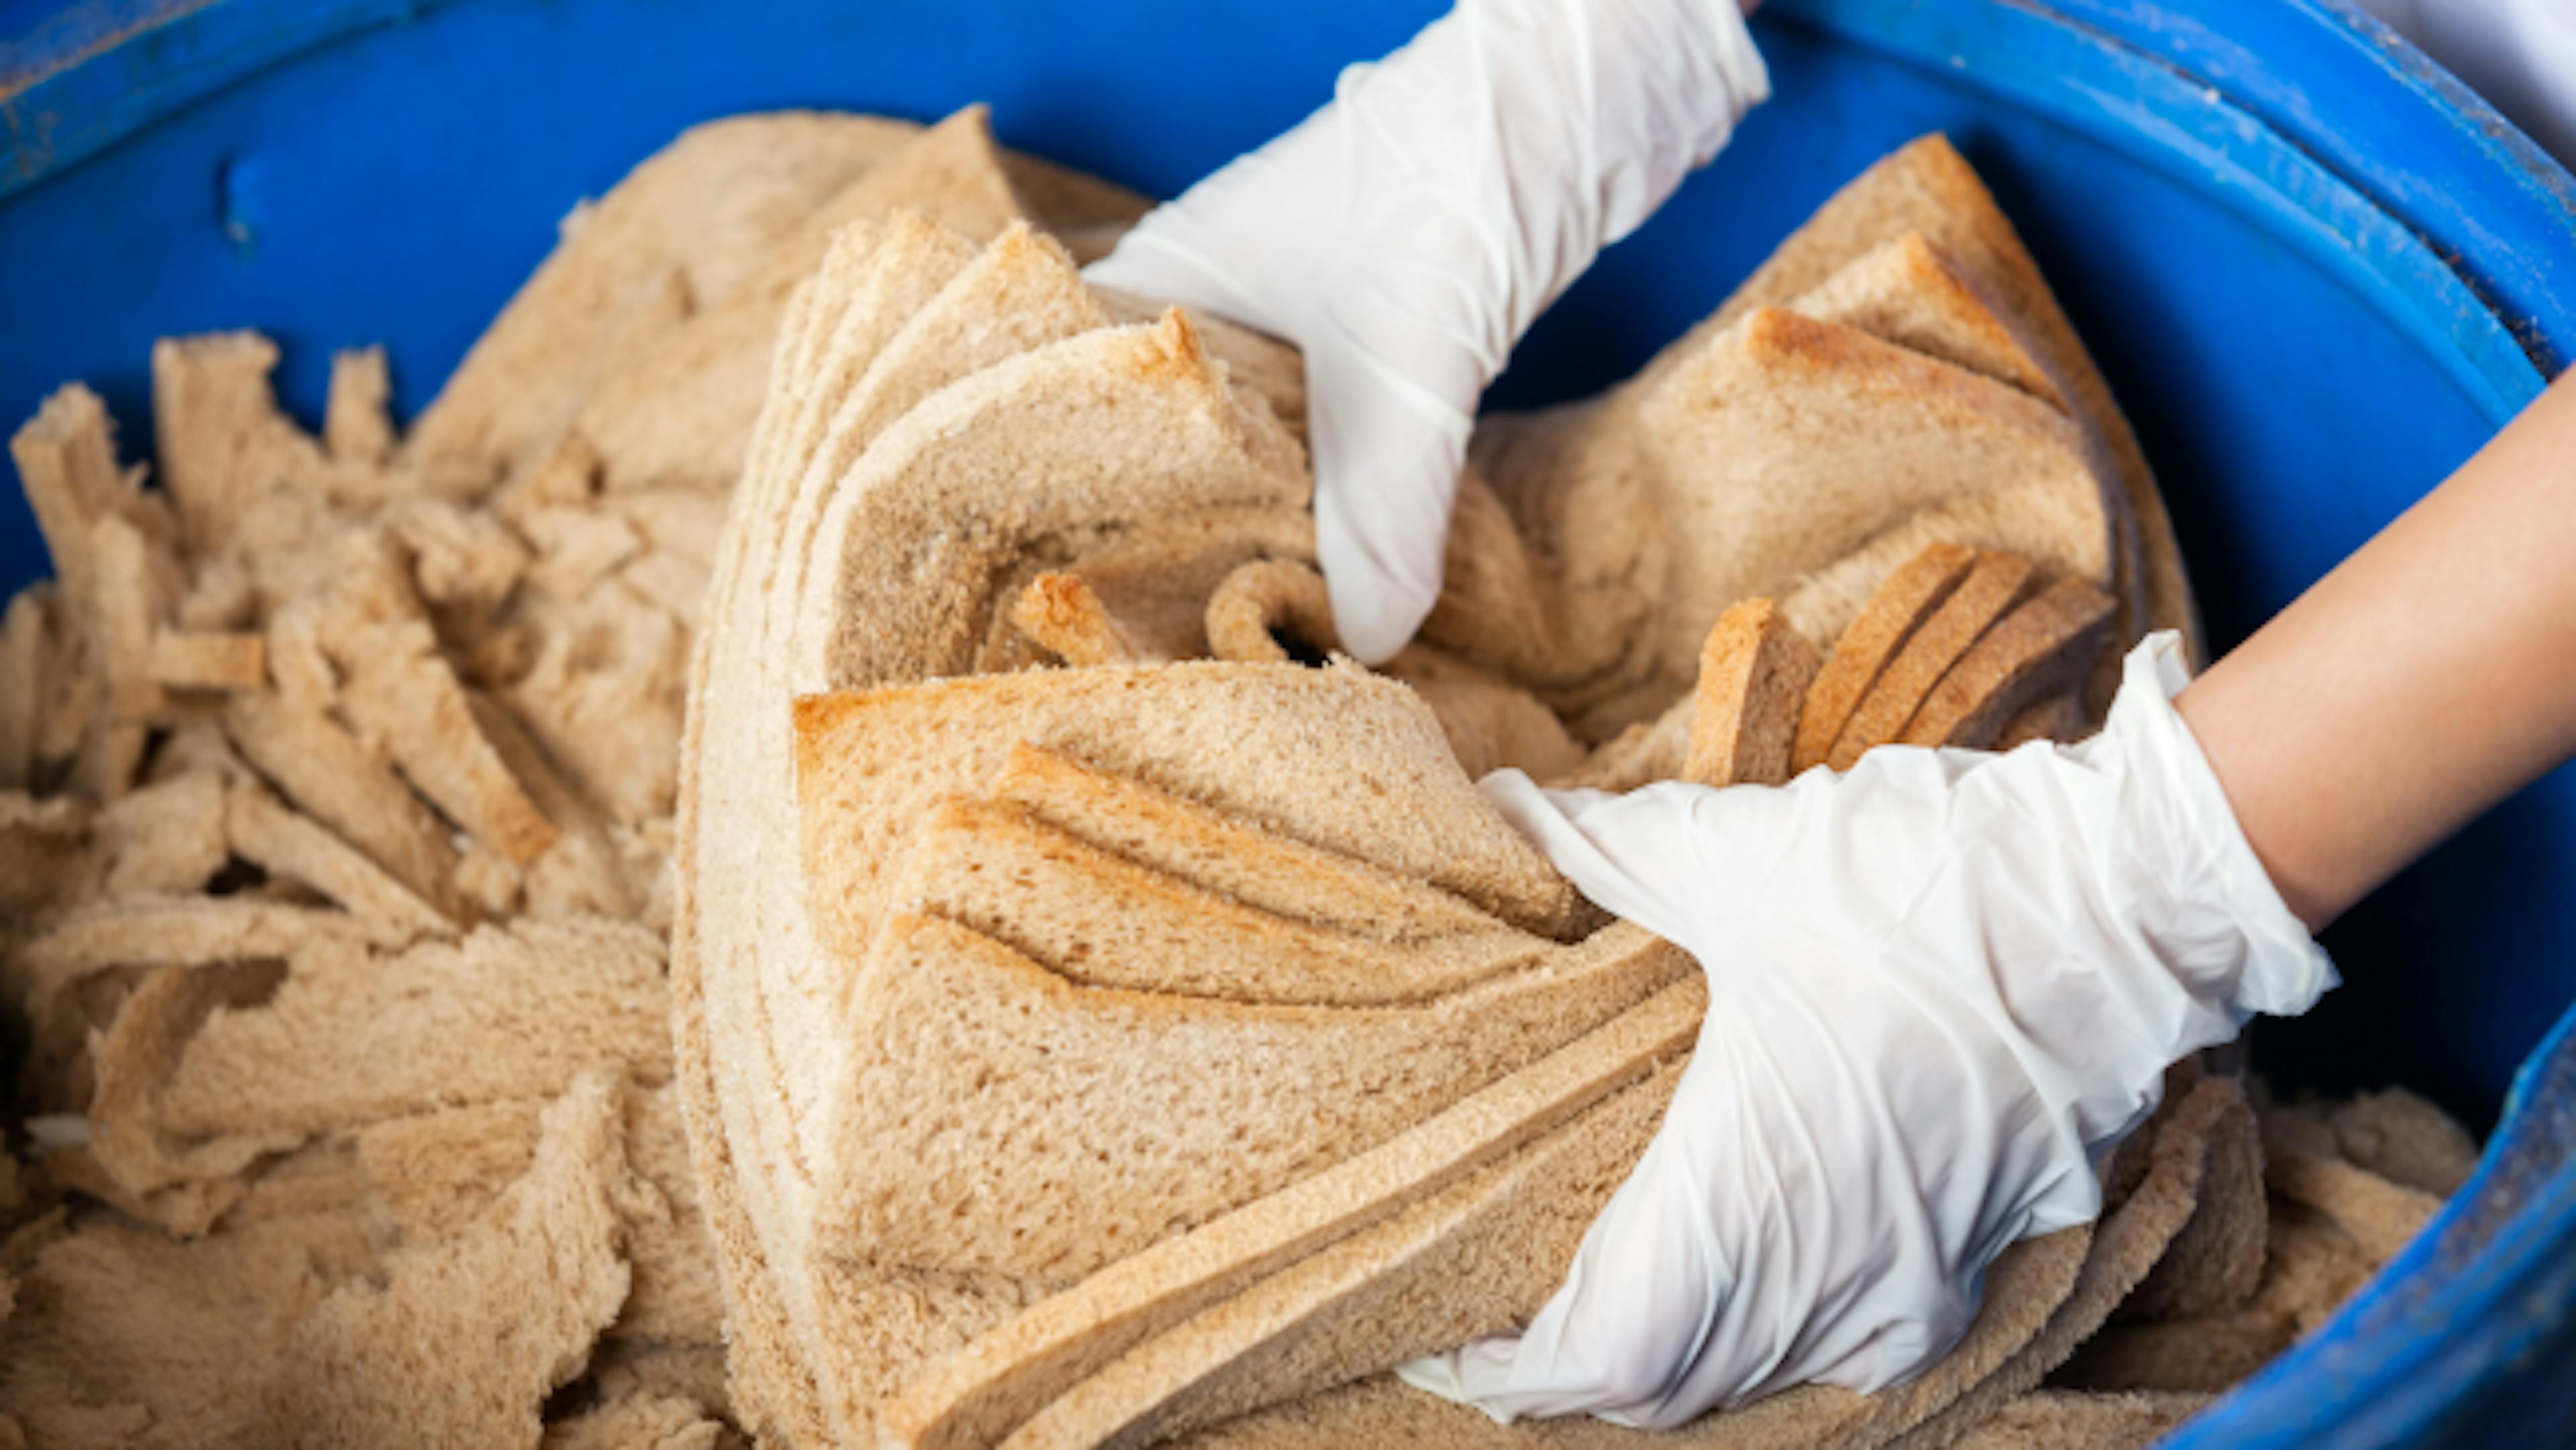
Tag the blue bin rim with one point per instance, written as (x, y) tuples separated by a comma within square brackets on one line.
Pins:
[(2498, 1266)]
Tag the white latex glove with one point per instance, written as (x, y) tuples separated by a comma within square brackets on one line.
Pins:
[(1941, 987), (1409, 232)]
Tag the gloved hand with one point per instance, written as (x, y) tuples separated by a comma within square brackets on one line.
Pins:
[(1406, 235), (1941, 987)]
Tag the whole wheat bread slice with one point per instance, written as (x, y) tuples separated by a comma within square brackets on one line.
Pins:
[(1994, 585), (1754, 674), (2045, 647), (1909, 596)]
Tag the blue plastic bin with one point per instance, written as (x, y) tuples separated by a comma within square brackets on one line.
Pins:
[(2316, 271)]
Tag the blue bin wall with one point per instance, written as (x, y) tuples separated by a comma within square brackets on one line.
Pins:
[(2315, 274)]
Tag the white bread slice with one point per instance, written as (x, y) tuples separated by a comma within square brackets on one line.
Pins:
[(322, 768)]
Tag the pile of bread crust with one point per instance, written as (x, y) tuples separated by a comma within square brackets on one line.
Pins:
[(1099, 1014)]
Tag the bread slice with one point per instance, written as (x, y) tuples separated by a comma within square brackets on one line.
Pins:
[(292, 847), (2046, 647), (1754, 674), (1910, 292), (354, 1036), (688, 225), (681, 415), (1261, 868), (2057, 717), (2215, 1263), (1096, 918), (1994, 585), (960, 1046), (1782, 457), (461, 1341), (1140, 430), (1904, 601), (979, 1394), (1926, 187), (812, 1347)]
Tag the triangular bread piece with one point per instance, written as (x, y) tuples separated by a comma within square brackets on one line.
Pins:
[(1909, 292), (685, 225), (980, 1393), (681, 416), (1928, 188)]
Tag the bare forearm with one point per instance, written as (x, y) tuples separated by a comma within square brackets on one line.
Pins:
[(2429, 676)]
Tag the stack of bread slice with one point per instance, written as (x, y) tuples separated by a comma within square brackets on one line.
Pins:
[(1102, 1010)]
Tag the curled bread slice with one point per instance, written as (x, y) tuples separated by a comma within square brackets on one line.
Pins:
[(1993, 585), (1754, 673), (1264, 600), (2046, 647), (1904, 600)]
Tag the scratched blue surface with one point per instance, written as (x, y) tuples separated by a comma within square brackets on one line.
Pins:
[(2316, 273)]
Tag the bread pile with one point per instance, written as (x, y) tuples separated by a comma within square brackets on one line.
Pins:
[(1091, 1022), (1104, 1013)]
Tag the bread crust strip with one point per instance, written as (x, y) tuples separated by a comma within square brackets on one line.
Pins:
[(2045, 647), (1904, 600), (1754, 673), (1061, 613), (1994, 584)]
